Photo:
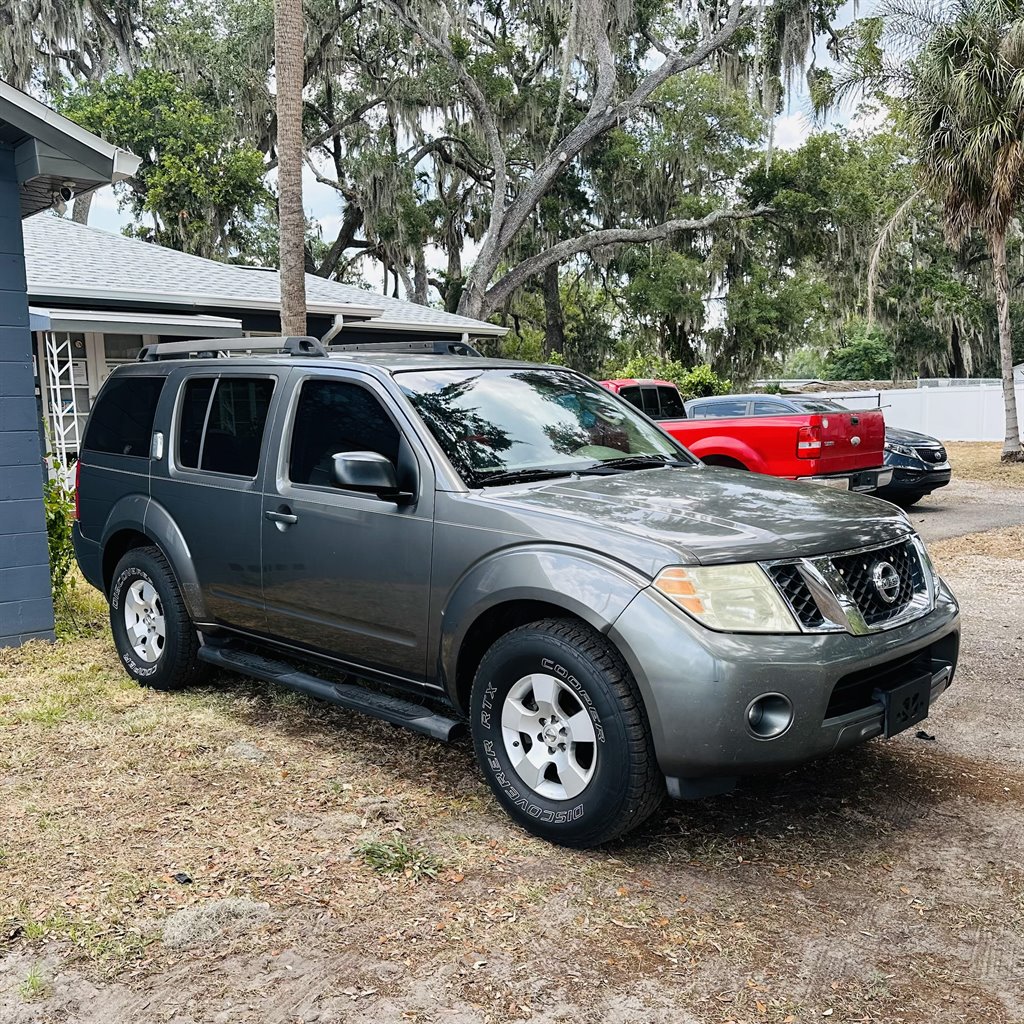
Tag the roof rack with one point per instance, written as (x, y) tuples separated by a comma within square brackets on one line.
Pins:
[(203, 348), (437, 348)]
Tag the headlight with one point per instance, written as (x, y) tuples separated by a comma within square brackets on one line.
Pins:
[(900, 449), (729, 598)]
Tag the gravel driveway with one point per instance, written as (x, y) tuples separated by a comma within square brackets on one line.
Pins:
[(965, 507)]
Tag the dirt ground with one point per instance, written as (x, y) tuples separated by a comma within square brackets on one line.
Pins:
[(237, 854), (979, 461)]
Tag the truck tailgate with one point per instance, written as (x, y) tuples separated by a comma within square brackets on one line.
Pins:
[(851, 440)]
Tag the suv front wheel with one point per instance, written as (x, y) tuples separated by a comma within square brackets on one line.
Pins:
[(561, 734), (152, 630)]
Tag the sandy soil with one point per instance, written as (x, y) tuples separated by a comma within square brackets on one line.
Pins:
[(883, 885)]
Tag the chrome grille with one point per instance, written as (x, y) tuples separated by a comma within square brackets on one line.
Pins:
[(849, 590), (788, 579), (858, 570)]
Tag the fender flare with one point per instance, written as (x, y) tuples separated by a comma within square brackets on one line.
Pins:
[(731, 448), (141, 514), (592, 587)]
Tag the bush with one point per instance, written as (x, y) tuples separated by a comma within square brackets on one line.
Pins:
[(696, 382), (59, 502)]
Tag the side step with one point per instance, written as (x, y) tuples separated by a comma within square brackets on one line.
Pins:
[(378, 705)]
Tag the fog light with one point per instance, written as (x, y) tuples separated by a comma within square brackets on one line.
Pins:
[(769, 715)]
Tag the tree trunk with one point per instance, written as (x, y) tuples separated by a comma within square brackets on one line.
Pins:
[(80, 210), (1011, 444), (288, 70), (554, 320), (421, 289)]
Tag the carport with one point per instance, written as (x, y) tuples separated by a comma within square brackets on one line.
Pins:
[(45, 159)]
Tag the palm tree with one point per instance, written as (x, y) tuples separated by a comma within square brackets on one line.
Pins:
[(965, 114), (288, 70)]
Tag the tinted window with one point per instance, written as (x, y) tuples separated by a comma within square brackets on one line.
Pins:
[(334, 416), (631, 395), (769, 409), (671, 404), (717, 410), (649, 402), (222, 423), (122, 419)]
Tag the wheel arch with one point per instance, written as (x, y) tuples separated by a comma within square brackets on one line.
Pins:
[(138, 522), (511, 589), (709, 449)]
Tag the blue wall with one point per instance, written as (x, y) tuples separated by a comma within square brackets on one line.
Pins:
[(26, 609)]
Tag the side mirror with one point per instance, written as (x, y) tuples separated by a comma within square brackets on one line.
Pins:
[(370, 472)]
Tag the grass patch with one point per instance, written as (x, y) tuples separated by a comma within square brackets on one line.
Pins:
[(108, 944), (979, 461), (35, 986), (397, 857)]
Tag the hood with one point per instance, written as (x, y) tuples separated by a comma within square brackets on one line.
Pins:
[(898, 435), (709, 515)]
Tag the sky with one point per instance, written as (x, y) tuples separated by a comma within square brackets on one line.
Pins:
[(323, 206)]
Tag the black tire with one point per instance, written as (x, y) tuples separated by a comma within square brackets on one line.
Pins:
[(175, 665), (625, 786), (908, 500)]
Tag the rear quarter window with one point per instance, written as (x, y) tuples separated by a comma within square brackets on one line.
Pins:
[(122, 418)]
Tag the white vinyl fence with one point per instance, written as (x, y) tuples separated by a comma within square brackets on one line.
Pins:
[(973, 412)]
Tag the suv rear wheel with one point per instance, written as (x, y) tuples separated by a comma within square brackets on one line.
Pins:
[(561, 734), (152, 630)]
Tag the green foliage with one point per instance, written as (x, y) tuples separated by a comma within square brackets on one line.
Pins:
[(396, 857), (695, 382), (59, 503), (201, 187), (866, 355)]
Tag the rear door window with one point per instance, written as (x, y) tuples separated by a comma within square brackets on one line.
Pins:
[(221, 424), (122, 418), (335, 416)]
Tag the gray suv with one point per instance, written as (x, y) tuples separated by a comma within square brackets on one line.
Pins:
[(432, 539)]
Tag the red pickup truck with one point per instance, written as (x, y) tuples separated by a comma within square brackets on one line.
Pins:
[(796, 437)]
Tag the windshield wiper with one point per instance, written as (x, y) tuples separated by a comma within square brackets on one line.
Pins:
[(523, 476), (631, 462)]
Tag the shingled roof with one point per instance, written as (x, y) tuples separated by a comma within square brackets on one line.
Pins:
[(73, 262)]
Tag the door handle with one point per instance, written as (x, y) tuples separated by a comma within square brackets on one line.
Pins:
[(282, 517)]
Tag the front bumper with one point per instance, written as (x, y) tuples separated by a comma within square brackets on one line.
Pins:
[(907, 480), (697, 686)]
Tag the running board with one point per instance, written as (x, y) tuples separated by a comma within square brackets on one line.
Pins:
[(378, 705)]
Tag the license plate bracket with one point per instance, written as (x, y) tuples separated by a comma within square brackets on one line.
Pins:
[(906, 704)]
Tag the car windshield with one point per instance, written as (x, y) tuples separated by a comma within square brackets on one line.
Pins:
[(819, 405), (500, 425)]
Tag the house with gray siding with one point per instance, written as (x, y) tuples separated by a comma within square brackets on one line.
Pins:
[(41, 155)]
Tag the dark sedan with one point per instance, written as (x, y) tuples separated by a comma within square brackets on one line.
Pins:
[(920, 466)]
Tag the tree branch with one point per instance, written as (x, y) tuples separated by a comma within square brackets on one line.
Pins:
[(561, 251), (350, 224), (477, 100)]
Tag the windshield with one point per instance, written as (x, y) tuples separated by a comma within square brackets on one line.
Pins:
[(530, 422), (819, 405)]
